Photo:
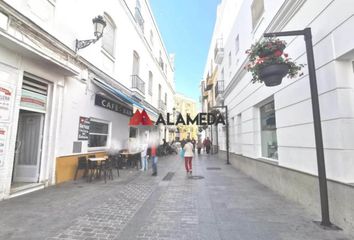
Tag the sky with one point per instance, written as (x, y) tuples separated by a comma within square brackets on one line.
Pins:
[(186, 27)]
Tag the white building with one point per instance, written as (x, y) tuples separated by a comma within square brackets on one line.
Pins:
[(271, 128), (50, 94)]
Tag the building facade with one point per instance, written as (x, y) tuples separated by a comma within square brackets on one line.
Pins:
[(58, 103), (274, 125), (212, 85), (185, 105)]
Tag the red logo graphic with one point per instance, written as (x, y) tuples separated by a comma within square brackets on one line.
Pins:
[(140, 118), (6, 91)]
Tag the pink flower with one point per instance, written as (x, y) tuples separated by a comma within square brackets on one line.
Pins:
[(278, 53)]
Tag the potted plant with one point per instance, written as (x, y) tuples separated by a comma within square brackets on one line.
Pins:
[(269, 64)]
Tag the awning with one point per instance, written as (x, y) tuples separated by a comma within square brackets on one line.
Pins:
[(115, 92), (123, 97)]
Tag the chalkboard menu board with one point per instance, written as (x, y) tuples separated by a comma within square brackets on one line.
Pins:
[(84, 128)]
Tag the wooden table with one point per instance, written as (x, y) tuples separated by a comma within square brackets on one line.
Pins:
[(98, 159)]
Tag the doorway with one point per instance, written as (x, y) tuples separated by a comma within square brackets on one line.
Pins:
[(28, 147)]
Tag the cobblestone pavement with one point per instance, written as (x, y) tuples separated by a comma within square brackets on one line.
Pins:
[(222, 204)]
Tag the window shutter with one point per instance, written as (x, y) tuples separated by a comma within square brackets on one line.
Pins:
[(108, 38)]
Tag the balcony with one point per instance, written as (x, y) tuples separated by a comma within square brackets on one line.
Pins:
[(209, 83), (219, 88), (139, 18), (138, 86), (205, 95), (219, 51), (161, 64), (162, 105)]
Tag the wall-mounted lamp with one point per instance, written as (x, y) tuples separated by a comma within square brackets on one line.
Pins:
[(99, 24)]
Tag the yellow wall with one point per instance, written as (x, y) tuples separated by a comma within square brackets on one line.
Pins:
[(66, 167), (186, 105)]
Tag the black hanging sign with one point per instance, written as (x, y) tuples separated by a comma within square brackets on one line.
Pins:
[(112, 105)]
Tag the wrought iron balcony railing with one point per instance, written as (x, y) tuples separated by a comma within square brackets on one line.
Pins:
[(219, 51), (139, 18), (219, 87), (138, 83)]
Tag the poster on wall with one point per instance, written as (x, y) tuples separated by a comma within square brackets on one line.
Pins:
[(3, 140), (84, 128), (6, 101)]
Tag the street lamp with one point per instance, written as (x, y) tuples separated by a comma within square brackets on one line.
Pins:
[(99, 24), (227, 132), (316, 121)]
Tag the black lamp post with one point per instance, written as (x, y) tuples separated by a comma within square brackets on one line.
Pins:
[(99, 24), (227, 132), (316, 121)]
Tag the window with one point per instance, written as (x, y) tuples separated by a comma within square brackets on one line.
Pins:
[(108, 38), (230, 59), (133, 132), (257, 9), (138, 16), (161, 63), (99, 134), (237, 44), (150, 82), (269, 131), (159, 96), (136, 63)]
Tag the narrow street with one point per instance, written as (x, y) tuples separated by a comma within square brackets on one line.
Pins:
[(219, 202)]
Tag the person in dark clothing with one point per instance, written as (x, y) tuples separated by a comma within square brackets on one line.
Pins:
[(183, 142), (153, 156), (207, 144), (194, 143)]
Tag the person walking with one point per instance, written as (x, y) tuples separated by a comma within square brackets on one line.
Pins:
[(144, 156), (207, 145), (153, 156), (188, 155), (199, 145), (194, 144)]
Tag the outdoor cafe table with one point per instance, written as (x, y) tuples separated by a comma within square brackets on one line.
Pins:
[(132, 156), (98, 160)]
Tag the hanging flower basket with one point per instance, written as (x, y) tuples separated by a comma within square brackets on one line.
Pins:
[(273, 74), (269, 64)]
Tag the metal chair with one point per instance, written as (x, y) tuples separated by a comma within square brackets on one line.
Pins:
[(115, 161), (81, 165), (92, 167), (107, 169)]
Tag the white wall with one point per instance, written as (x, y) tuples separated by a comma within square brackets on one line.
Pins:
[(54, 60), (67, 21), (333, 57), (19, 65), (79, 101)]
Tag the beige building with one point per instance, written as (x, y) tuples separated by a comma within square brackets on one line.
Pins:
[(185, 105)]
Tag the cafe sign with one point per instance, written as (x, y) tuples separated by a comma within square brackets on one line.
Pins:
[(112, 105), (33, 100)]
